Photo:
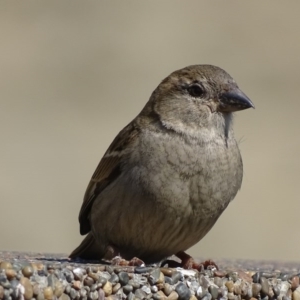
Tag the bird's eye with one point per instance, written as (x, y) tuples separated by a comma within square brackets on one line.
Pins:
[(195, 90)]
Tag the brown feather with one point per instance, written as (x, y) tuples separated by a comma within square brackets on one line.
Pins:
[(107, 170)]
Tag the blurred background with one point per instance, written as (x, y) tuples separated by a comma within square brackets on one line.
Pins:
[(74, 73)]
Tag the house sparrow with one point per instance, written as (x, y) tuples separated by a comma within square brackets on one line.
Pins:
[(169, 174)]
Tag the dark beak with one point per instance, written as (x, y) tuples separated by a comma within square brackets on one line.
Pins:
[(234, 100)]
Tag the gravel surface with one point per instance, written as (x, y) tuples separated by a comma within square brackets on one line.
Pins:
[(54, 276)]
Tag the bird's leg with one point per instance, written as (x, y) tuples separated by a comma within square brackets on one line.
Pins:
[(187, 262)]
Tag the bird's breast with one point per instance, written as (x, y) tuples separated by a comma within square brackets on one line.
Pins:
[(191, 176)]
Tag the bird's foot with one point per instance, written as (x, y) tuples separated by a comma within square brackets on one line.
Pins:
[(119, 261), (187, 262)]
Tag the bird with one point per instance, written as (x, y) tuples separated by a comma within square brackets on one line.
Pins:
[(169, 174)]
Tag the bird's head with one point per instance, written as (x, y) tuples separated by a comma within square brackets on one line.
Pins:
[(194, 96)]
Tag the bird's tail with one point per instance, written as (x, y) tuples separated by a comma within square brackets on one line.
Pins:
[(88, 249)]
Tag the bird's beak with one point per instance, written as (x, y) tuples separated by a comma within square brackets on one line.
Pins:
[(234, 100)]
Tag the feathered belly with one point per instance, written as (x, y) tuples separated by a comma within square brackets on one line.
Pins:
[(167, 207)]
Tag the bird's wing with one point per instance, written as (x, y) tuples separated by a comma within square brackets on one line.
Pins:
[(107, 171)]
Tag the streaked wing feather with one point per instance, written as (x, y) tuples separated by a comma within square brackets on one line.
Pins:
[(107, 170)]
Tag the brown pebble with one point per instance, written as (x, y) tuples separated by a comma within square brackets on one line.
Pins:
[(244, 289), (167, 271), (294, 282), (116, 288), (112, 297), (296, 294), (36, 289), (161, 295), (219, 273), (107, 288), (256, 288), (245, 276), (161, 278), (101, 268), (40, 296), (94, 276), (5, 265), (37, 266), (265, 287), (76, 285), (229, 285), (27, 271), (253, 298), (10, 274), (101, 294), (237, 289), (28, 293), (64, 297), (168, 289), (218, 281), (58, 289), (160, 286), (193, 297), (48, 293), (251, 273), (88, 280), (173, 296), (1, 292)]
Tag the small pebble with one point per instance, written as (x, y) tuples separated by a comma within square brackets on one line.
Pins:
[(229, 285), (58, 289), (28, 293), (102, 280), (296, 294), (183, 292), (176, 277), (134, 283), (64, 297), (93, 276), (27, 271), (168, 289), (142, 270), (116, 288), (169, 280), (109, 269), (264, 286), (123, 278), (256, 277), (237, 289), (154, 276), (78, 273), (107, 288), (213, 291), (114, 278), (294, 282), (89, 281), (127, 288), (48, 293), (167, 271), (256, 288), (173, 296), (10, 273), (218, 281), (219, 273), (5, 265), (159, 296), (139, 293), (76, 285)]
